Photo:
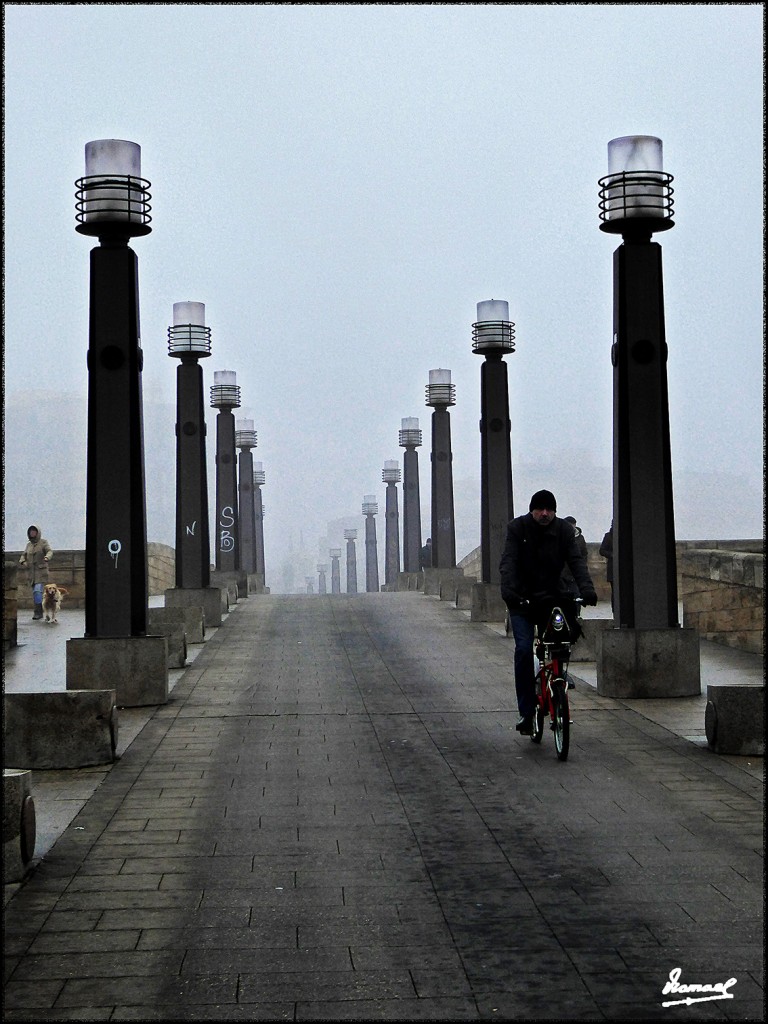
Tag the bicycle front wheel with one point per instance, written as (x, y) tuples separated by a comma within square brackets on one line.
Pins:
[(562, 719)]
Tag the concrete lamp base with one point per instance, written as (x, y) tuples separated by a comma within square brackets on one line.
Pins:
[(135, 667), (641, 663)]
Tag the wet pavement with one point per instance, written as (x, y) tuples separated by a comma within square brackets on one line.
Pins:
[(333, 818)]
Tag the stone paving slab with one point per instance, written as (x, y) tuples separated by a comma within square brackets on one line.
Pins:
[(334, 819)]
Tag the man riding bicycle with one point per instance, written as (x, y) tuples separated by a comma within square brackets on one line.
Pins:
[(538, 547)]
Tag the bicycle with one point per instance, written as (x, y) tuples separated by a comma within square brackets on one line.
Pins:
[(553, 650)]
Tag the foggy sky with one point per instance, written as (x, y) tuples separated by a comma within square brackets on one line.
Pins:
[(340, 185)]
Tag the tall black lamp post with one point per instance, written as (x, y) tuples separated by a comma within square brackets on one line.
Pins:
[(410, 439), (259, 479), (113, 206), (225, 396), (322, 587), (440, 395), (245, 440), (648, 655), (390, 474), (492, 337), (335, 554), (370, 510), (351, 536), (189, 341)]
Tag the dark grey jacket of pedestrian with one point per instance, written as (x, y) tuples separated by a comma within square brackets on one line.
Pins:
[(35, 558), (425, 557), (568, 581), (533, 560), (606, 550)]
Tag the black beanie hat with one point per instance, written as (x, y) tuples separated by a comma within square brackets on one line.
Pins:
[(543, 499)]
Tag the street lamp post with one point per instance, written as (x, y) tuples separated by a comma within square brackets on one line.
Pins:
[(390, 474), (370, 509), (189, 341), (259, 479), (410, 439), (245, 440), (113, 206), (351, 536), (492, 337), (322, 587), (225, 396), (335, 554), (440, 395), (648, 655)]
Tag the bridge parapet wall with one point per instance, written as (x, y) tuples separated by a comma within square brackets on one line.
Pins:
[(67, 569), (723, 595), (720, 582)]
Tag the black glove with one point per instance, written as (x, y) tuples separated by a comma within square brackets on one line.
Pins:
[(589, 597)]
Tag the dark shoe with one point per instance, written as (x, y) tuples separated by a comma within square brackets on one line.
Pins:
[(525, 725), (571, 684), (38, 613)]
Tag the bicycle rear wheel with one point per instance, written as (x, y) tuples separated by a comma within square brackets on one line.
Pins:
[(562, 719)]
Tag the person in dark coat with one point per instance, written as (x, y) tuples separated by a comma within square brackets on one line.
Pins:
[(537, 548), (567, 577), (606, 550), (425, 555), (36, 556)]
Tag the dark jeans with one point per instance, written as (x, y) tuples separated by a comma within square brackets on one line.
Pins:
[(522, 630)]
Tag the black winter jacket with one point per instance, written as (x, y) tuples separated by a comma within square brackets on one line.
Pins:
[(533, 559)]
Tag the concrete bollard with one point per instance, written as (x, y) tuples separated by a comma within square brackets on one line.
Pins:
[(228, 584), (172, 627), (734, 719), (60, 729), (136, 666), (487, 604), (585, 649), (19, 827), (464, 592)]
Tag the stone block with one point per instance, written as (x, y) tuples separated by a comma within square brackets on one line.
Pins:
[(464, 592), (173, 629), (487, 604), (648, 662), (136, 667), (409, 581), (210, 601), (226, 581), (734, 719), (585, 648), (19, 827), (60, 729), (434, 577), (189, 618), (447, 589)]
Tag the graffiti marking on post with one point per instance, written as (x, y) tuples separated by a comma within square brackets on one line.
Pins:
[(226, 520), (114, 547)]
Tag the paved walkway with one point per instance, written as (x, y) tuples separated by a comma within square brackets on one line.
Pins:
[(334, 819)]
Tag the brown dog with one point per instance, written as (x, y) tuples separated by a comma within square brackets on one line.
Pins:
[(52, 596)]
